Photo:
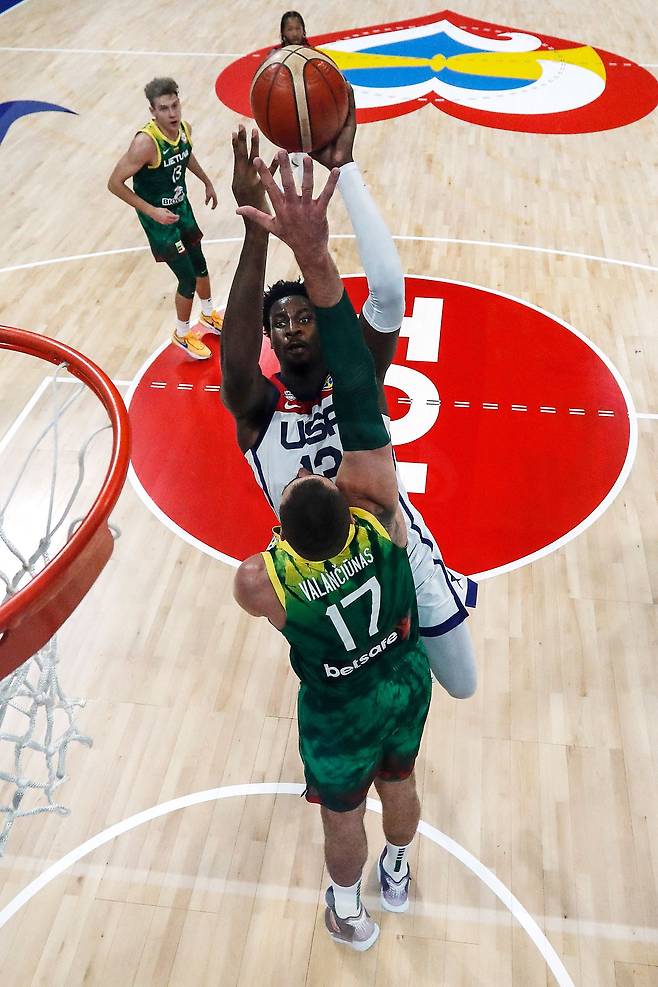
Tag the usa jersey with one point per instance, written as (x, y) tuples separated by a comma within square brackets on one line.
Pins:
[(298, 433)]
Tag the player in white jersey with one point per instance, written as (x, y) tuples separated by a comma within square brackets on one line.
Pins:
[(303, 434), (287, 422)]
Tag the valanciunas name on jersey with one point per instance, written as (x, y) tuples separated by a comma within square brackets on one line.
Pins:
[(326, 582)]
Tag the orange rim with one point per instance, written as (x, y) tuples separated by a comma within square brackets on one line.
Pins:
[(46, 582)]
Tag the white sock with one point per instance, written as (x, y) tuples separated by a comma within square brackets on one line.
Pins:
[(395, 861), (348, 900), (182, 328), (207, 306)]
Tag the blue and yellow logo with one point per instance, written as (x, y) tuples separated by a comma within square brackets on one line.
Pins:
[(482, 73)]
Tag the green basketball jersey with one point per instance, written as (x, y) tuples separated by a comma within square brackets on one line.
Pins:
[(350, 619), (163, 183)]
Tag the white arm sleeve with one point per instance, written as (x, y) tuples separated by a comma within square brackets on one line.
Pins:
[(384, 306)]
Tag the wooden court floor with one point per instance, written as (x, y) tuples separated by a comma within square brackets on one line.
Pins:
[(548, 777)]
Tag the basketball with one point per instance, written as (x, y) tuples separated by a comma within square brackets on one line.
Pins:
[(299, 98)]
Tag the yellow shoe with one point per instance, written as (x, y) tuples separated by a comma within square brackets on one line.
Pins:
[(191, 344), (213, 322)]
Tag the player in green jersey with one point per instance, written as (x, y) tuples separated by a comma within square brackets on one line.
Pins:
[(157, 160), (336, 581)]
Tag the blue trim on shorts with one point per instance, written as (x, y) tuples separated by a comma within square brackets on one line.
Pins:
[(457, 618), (447, 625), (471, 591), (449, 582), (407, 510), (471, 586)]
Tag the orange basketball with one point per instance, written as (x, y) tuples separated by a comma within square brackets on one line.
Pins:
[(299, 98)]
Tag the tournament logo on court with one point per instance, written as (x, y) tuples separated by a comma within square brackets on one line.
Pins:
[(487, 74), (14, 109), (513, 432)]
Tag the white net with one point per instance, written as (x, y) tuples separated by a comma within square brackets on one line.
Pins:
[(33, 699), (55, 451)]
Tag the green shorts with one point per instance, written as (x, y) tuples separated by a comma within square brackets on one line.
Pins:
[(168, 241), (347, 744)]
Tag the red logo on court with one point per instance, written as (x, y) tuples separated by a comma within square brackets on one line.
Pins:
[(512, 430), (487, 74)]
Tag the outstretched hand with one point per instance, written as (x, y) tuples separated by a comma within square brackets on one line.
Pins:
[(299, 220), (246, 185), (341, 149)]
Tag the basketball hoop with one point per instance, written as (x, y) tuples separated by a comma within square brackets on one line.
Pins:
[(37, 719), (31, 617)]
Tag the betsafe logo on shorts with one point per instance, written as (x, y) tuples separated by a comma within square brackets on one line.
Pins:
[(485, 74), (335, 671)]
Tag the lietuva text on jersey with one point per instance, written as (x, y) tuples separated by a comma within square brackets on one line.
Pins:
[(162, 183), (176, 158)]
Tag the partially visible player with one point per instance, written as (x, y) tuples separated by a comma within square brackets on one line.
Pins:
[(157, 161), (293, 32), (337, 583), (293, 29), (288, 420)]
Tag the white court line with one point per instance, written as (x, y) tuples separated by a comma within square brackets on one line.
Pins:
[(487, 877), (523, 246), (350, 236), (215, 388), (205, 884), (126, 51), (183, 54), (20, 418), (38, 394)]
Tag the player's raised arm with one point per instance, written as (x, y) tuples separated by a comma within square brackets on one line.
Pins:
[(244, 387), (367, 473), (383, 310)]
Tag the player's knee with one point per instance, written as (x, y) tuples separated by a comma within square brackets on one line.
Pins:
[(198, 261), (463, 689), (452, 661), (187, 285), (459, 680)]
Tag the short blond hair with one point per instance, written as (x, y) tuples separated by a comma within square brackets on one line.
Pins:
[(160, 87)]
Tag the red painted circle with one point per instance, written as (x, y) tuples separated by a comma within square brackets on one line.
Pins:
[(505, 479)]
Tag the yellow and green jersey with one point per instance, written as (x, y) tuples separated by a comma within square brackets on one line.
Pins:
[(163, 184), (350, 619)]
